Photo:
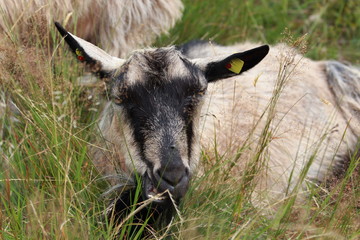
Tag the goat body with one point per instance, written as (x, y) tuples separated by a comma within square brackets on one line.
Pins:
[(312, 129)]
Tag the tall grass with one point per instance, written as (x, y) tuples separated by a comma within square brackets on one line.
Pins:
[(50, 190)]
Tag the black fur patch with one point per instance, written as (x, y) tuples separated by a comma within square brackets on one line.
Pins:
[(156, 216)]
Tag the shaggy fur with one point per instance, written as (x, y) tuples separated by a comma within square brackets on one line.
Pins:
[(316, 120), (118, 26)]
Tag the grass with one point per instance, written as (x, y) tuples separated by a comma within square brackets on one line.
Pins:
[(332, 26), (50, 190)]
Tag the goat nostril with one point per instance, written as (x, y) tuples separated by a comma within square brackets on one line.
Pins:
[(172, 178)]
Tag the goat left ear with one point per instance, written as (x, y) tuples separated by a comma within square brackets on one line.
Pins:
[(234, 64), (99, 61)]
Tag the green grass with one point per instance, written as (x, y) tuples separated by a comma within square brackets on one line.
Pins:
[(50, 190), (332, 26)]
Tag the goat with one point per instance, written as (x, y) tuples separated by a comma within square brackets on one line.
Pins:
[(170, 103), (118, 26), (150, 126)]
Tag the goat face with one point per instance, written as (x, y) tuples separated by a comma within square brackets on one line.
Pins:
[(157, 96), (156, 101)]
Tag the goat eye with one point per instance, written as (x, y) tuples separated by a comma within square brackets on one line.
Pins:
[(201, 92), (118, 100)]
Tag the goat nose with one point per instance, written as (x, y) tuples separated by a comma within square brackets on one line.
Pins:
[(172, 176), (175, 180)]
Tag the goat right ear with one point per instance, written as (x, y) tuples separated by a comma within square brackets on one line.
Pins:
[(99, 61), (232, 65)]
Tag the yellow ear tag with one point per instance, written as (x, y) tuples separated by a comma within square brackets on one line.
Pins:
[(79, 54), (235, 65)]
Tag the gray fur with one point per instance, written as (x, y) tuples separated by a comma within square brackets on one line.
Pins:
[(344, 83)]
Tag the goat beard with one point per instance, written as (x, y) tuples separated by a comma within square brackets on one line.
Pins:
[(129, 208)]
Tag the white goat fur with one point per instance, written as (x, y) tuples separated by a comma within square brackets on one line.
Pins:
[(307, 121), (118, 26)]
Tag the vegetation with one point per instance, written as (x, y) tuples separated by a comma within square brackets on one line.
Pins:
[(49, 188)]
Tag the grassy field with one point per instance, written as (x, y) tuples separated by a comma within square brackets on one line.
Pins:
[(49, 188)]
